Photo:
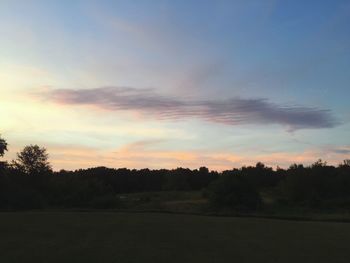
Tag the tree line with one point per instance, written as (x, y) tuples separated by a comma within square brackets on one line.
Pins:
[(28, 182)]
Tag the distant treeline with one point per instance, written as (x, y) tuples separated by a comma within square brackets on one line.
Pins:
[(29, 182), (93, 187)]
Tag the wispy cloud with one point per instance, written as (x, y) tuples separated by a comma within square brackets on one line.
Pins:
[(345, 150), (234, 111)]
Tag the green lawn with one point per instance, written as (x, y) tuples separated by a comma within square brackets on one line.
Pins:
[(146, 237)]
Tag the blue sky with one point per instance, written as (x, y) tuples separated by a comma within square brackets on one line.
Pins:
[(176, 83)]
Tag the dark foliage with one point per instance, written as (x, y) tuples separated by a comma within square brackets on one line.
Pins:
[(317, 186), (29, 183), (95, 187), (32, 160), (235, 192), (3, 147)]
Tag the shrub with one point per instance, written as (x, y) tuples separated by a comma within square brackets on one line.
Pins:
[(234, 192)]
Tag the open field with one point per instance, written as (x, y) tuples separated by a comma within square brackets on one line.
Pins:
[(146, 237)]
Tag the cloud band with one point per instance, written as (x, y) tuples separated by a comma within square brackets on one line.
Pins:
[(234, 111)]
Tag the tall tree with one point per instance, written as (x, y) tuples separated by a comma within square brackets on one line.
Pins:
[(3, 146), (32, 160)]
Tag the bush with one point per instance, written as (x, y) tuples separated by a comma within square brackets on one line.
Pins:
[(318, 186), (235, 192)]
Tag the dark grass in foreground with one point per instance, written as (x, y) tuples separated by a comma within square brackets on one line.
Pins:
[(123, 237)]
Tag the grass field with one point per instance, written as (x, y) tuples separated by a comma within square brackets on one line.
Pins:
[(146, 237)]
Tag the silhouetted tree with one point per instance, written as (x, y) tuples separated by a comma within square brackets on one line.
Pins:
[(178, 180), (3, 146), (296, 167), (32, 160), (319, 163), (346, 163), (260, 165), (203, 170)]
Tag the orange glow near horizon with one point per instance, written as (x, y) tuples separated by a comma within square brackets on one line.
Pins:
[(136, 156)]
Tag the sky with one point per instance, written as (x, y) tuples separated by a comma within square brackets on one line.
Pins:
[(166, 84)]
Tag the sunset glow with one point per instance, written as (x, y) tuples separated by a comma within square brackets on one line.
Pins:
[(166, 84)]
